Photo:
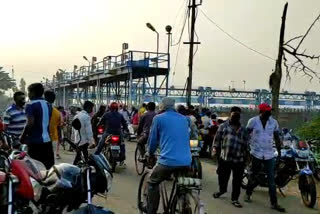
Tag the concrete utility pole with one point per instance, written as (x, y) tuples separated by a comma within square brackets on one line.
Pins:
[(192, 7)]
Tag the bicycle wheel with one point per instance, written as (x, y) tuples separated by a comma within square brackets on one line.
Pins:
[(139, 160), (186, 203), (143, 193)]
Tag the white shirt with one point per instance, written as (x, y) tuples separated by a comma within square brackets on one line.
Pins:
[(125, 115), (86, 129), (261, 142), (206, 121)]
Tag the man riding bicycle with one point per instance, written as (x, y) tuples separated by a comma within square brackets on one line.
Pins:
[(145, 124), (169, 131)]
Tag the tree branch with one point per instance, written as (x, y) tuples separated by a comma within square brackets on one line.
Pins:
[(305, 35), (297, 37)]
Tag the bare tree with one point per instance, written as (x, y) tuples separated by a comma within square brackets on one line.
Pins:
[(288, 49)]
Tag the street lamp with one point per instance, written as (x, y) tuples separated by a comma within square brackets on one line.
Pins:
[(85, 58), (155, 76), (154, 30), (169, 29)]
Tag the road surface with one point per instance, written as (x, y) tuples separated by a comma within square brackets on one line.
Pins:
[(123, 197)]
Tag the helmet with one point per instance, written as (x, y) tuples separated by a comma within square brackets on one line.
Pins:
[(285, 130), (114, 106)]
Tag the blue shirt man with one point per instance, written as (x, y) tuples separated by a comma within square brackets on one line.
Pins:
[(40, 110), (169, 131), (36, 133)]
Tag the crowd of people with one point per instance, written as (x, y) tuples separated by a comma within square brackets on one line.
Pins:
[(42, 126)]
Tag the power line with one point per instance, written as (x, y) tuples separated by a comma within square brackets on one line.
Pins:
[(183, 27), (235, 39), (179, 42)]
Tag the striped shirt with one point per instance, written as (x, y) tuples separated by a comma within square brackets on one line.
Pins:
[(233, 144), (15, 120), (40, 110)]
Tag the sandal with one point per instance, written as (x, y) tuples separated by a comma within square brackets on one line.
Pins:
[(217, 194), (237, 204)]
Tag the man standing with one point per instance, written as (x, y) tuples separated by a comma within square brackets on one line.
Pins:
[(143, 109), (264, 129), (55, 121), (125, 113), (145, 124), (207, 140), (36, 133), (84, 137), (231, 146), (15, 117), (171, 130)]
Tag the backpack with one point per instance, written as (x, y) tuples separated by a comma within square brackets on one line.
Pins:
[(76, 124)]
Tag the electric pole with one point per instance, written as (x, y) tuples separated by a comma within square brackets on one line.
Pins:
[(193, 8)]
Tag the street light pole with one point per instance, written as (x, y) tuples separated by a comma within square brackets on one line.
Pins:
[(168, 29), (155, 76)]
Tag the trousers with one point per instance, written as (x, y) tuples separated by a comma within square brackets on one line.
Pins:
[(224, 171), (269, 167)]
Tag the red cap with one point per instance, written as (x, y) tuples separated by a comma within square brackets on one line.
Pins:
[(114, 106), (264, 107)]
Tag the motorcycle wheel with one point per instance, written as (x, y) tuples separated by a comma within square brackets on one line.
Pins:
[(308, 190), (107, 153)]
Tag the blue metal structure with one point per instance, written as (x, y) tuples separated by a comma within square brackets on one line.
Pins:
[(130, 78)]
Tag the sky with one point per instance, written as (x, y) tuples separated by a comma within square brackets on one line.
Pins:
[(40, 36)]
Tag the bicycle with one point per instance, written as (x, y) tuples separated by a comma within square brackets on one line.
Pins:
[(184, 196), (139, 159)]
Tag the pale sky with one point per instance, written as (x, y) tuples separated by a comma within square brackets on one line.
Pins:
[(39, 36)]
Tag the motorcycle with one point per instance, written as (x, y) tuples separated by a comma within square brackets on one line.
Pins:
[(59, 188), (100, 131), (112, 150), (130, 135), (8, 182), (292, 163), (196, 166)]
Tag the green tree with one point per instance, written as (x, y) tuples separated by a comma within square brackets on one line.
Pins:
[(4, 102), (6, 82), (310, 130)]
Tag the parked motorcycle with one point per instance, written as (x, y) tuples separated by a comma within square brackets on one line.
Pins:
[(62, 187), (196, 166), (292, 163)]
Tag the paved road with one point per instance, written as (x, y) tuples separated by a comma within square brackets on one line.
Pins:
[(122, 199)]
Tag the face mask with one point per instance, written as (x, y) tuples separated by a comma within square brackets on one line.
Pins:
[(235, 118), (266, 114)]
